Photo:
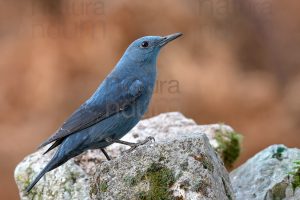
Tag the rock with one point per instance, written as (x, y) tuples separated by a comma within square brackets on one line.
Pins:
[(68, 181), (270, 174), (72, 180), (183, 168), (168, 126)]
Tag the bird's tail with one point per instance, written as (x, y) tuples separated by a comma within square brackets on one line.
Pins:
[(54, 162)]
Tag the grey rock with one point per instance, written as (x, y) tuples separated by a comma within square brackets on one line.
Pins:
[(168, 126), (69, 181), (72, 180), (267, 175), (185, 168)]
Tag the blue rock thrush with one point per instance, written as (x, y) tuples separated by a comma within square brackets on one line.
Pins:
[(114, 109)]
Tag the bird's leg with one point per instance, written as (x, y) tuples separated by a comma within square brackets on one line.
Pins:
[(105, 153), (131, 144)]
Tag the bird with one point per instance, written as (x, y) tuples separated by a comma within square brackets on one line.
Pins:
[(116, 106)]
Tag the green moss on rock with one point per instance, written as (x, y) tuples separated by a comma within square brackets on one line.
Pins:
[(229, 146), (296, 175), (160, 179), (103, 186)]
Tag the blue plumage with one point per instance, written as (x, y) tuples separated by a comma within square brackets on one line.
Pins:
[(116, 106)]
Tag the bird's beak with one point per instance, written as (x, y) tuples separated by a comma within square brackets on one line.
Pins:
[(169, 38)]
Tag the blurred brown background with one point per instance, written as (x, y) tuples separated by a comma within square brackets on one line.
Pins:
[(238, 63)]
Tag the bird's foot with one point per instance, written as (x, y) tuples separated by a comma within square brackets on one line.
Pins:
[(132, 145), (135, 145)]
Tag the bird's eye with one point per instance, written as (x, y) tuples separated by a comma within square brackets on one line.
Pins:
[(144, 44)]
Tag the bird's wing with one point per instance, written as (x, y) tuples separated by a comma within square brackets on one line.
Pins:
[(88, 114)]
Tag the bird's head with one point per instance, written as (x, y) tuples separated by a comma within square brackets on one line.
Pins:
[(146, 49)]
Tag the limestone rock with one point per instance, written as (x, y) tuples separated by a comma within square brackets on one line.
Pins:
[(183, 168), (72, 180), (68, 181), (169, 126), (270, 174)]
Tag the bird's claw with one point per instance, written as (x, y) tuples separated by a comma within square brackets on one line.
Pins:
[(134, 146)]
